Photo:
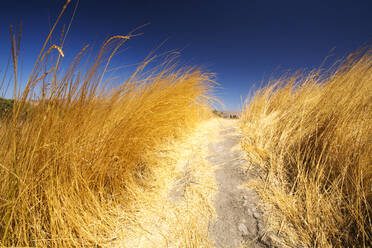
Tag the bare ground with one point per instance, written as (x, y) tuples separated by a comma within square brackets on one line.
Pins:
[(239, 222)]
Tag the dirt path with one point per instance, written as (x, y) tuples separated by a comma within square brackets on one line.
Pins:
[(238, 222), (197, 199)]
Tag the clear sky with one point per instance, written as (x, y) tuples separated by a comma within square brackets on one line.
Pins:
[(243, 42)]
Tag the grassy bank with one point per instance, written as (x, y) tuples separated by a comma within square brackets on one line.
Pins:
[(77, 165), (311, 136)]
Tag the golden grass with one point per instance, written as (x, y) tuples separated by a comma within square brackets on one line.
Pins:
[(83, 157), (311, 134)]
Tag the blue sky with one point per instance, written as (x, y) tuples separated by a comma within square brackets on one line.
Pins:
[(243, 42)]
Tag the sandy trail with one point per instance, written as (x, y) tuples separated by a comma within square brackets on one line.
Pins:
[(238, 222)]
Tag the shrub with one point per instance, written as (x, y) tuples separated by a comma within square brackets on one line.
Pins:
[(6, 107)]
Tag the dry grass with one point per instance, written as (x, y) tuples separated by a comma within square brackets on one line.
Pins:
[(311, 135), (83, 158)]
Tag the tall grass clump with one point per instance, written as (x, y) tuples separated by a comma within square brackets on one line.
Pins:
[(311, 135), (76, 151)]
